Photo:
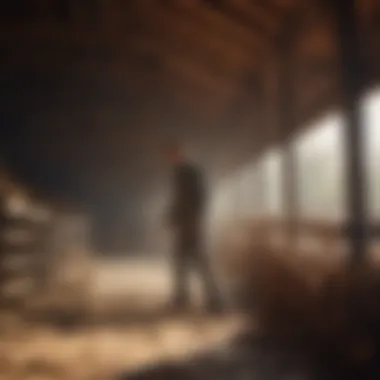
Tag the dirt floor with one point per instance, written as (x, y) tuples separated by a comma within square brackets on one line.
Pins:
[(116, 322), (33, 351), (123, 326)]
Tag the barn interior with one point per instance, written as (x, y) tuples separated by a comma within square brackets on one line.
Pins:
[(276, 100)]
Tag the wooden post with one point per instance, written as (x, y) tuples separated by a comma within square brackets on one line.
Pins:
[(286, 124), (352, 71), (259, 192)]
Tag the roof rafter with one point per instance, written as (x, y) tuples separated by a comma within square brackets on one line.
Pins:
[(244, 13), (211, 24), (180, 51)]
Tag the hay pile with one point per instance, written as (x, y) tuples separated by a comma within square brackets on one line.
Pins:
[(330, 313)]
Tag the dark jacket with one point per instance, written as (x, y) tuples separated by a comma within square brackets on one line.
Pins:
[(188, 195)]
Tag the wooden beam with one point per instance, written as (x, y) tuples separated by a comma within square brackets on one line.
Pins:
[(352, 84), (198, 41), (286, 122), (211, 25), (179, 91), (317, 41), (262, 10), (158, 38), (174, 54), (139, 67), (269, 6), (255, 19)]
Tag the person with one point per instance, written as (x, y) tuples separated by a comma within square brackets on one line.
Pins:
[(186, 215)]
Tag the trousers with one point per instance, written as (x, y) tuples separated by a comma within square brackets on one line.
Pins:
[(189, 254)]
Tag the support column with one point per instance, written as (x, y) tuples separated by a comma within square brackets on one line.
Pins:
[(352, 70), (286, 124), (259, 191)]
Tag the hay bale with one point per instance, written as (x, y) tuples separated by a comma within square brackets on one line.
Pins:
[(338, 321), (282, 298)]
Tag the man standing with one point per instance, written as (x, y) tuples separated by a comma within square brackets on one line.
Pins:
[(186, 218)]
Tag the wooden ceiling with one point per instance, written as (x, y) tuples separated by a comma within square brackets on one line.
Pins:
[(105, 84)]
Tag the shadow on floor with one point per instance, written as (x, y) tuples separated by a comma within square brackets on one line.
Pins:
[(244, 358), (258, 358)]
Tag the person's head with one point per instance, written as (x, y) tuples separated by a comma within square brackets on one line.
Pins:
[(175, 154)]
